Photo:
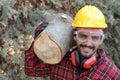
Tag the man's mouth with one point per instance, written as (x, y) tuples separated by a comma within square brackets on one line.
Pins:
[(85, 46), (86, 51)]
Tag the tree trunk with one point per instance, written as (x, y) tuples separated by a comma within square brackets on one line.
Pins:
[(53, 43)]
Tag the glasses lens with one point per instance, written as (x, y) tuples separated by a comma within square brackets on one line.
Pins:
[(82, 36), (96, 37)]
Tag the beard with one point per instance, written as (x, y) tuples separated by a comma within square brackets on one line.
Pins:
[(88, 52), (90, 47)]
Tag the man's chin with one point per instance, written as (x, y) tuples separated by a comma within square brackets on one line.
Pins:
[(86, 54)]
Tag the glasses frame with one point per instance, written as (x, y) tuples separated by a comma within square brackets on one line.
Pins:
[(89, 37)]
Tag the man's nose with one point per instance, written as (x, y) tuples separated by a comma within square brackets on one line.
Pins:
[(88, 42)]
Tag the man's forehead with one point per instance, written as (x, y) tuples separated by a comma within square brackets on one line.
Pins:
[(89, 29)]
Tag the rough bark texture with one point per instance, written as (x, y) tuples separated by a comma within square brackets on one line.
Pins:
[(52, 44)]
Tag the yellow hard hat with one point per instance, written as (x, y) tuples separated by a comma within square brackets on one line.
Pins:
[(89, 17)]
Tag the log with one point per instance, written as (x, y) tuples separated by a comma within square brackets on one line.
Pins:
[(53, 43)]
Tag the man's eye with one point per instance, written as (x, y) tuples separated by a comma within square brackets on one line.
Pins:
[(95, 37), (83, 36)]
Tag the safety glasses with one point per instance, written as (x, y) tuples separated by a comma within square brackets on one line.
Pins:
[(95, 37)]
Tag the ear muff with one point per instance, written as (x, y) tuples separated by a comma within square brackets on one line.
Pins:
[(86, 64), (89, 62), (75, 58)]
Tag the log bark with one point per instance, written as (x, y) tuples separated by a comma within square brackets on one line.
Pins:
[(53, 43)]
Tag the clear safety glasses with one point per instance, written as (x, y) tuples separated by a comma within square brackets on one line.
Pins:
[(95, 37)]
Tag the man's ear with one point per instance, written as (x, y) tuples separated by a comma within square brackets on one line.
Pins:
[(74, 35)]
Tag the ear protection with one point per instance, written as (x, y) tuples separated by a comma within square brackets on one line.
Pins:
[(77, 62)]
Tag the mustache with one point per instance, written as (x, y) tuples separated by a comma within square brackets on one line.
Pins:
[(90, 47)]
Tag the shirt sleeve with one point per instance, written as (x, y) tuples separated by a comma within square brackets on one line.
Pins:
[(114, 72), (33, 66)]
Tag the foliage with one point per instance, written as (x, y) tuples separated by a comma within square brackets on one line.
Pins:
[(19, 18)]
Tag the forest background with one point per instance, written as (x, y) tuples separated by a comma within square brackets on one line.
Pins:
[(19, 18)]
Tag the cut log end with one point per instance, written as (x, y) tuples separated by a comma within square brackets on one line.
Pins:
[(46, 49)]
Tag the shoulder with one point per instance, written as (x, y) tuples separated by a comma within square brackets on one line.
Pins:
[(106, 69), (109, 70), (65, 63), (66, 58)]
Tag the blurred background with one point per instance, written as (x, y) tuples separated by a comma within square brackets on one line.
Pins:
[(19, 18)]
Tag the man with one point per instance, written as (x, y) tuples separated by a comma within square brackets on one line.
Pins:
[(85, 61)]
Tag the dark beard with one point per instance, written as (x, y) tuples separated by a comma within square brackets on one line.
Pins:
[(90, 47)]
